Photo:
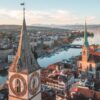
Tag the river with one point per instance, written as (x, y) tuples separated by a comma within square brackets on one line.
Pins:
[(69, 53), (61, 55)]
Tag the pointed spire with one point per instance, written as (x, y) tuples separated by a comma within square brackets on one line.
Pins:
[(86, 36), (24, 21), (24, 60), (23, 12)]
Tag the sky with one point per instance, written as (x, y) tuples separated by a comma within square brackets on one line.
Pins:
[(58, 12)]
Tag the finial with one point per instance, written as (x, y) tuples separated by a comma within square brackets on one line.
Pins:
[(23, 4), (85, 26), (86, 36)]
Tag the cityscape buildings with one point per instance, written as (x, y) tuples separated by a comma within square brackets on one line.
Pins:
[(24, 73), (49, 63)]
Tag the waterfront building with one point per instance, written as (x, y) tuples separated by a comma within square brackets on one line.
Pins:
[(24, 73), (59, 80), (89, 61)]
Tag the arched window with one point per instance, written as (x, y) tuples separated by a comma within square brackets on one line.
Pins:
[(80, 66), (84, 52), (90, 67)]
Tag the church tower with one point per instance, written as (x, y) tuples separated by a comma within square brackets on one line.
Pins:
[(85, 48), (24, 73)]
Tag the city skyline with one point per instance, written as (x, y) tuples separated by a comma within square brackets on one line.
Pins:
[(60, 12)]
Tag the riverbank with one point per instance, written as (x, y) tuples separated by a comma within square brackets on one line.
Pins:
[(60, 45), (67, 53)]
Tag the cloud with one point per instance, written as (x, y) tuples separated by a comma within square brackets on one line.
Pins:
[(91, 19), (41, 17)]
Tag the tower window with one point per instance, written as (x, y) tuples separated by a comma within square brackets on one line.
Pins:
[(90, 67), (84, 52), (80, 66)]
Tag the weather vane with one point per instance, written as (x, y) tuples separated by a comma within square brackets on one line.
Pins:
[(23, 4)]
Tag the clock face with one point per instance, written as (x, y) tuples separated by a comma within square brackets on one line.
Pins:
[(18, 85), (34, 83)]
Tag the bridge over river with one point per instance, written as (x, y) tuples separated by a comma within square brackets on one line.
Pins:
[(71, 46)]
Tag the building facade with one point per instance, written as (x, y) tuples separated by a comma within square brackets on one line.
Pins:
[(24, 73), (89, 61)]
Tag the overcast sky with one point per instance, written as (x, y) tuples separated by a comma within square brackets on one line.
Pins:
[(58, 12)]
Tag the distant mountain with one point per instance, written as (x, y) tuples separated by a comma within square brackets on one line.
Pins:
[(75, 26), (52, 26)]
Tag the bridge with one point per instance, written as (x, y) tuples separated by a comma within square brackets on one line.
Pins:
[(71, 46)]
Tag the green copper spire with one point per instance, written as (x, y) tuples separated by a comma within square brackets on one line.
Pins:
[(86, 36)]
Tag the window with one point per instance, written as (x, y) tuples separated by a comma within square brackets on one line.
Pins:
[(84, 52), (98, 74), (80, 66), (90, 67), (98, 69)]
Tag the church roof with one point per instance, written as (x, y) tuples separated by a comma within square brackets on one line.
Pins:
[(24, 60), (86, 43)]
